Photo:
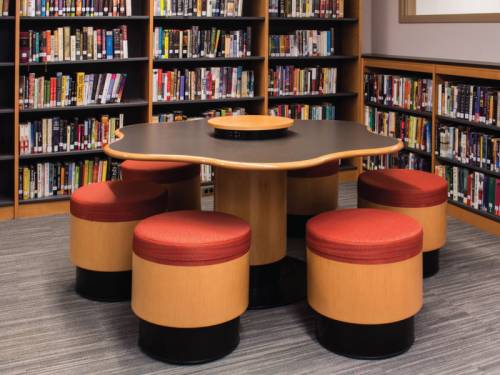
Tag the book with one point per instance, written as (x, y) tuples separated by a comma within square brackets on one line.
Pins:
[(66, 44), (306, 9), (75, 8), (70, 90), (303, 43), (198, 8), (291, 80), (202, 83), (403, 160), (398, 91), (298, 111), (4, 7), (46, 179), (175, 116)]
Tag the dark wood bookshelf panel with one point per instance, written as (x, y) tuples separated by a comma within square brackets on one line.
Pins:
[(7, 33), (6, 134), (311, 59), (54, 198), (6, 157), (472, 124), (71, 154), (101, 108), (468, 166), (391, 108), (473, 210), (190, 21), (6, 110), (6, 201), (6, 181), (313, 20), (220, 61), (7, 90)]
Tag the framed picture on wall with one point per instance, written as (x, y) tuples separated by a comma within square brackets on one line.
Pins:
[(426, 11)]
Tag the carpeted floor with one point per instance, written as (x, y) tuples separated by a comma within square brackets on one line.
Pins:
[(46, 329)]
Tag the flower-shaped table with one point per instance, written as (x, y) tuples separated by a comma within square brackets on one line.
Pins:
[(250, 182)]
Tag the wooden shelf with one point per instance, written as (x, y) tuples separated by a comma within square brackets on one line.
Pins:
[(54, 198), (60, 154), (412, 112), (7, 64), (127, 104), (467, 166), (473, 210), (226, 100), (312, 96), (338, 58), (211, 60), (418, 151), (6, 157), (6, 110), (7, 18), (83, 18), (83, 62), (471, 124)]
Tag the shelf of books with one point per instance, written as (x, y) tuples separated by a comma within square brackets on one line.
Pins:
[(79, 70), (461, 140)]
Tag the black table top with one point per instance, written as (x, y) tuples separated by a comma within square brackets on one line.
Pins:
[(309, 143)]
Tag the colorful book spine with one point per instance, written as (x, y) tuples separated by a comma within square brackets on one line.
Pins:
[(291, 80), (300, 111), (198, 8), (404, 160), (307, 8), (75, 8), (303, 43)]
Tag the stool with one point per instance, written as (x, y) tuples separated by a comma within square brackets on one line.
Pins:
[(364, 275), (418, 194), (182, 180), (310, 191), (190, 284), (103, 218)]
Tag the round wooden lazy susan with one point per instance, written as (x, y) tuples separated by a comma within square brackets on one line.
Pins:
[(250, 126)]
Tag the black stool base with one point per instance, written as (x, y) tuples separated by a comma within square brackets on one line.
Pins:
[(363, 341), (296, 225), (277, 284), (103, 286), (431, 263), (188, 346)]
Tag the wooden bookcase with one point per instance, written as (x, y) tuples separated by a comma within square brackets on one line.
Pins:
[(440, 70), (137, 105)]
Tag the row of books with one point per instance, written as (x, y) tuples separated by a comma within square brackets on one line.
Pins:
[(307, 8), (416, 132), (298, 111), (72, 8), (51, 135), (303, 43), (193, 42), (202, 83), (181, 116), (198, 8), (63, 44), (469, 102), (403, 160), (206, 173), (4, 7), (469, 147), (291, 80), (70, 90), (473, 189), (48, 179), (398, 91)]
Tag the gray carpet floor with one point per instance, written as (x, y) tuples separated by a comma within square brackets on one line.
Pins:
[(46, 329)]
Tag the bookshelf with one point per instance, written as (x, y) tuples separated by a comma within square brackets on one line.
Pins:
[(462, 73), (138, 104)]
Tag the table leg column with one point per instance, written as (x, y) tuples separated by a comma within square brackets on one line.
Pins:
[(259, 197)]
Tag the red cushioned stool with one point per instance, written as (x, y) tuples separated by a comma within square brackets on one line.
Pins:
[(190, 284), (182, 180), (103, 218), (364, 275), (310, 191), (418, 194)]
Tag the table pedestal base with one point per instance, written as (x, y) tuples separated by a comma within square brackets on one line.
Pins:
[(277, 284), (259, 198)]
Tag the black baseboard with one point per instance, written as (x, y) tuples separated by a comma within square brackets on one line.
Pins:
[(362, 341), (103, 286), (188, 346), (296, 225), (431, 263), (277, 284)]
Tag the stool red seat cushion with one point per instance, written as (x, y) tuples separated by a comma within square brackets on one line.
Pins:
[(364, 236), (402, 188), (117, 201), (322, 170), (161, 172), (191, 238)]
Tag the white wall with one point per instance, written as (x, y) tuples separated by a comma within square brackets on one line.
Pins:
[(457, 6), (461, 41)]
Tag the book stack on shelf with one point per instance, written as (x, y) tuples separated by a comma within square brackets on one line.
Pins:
[(468, 136), (307, 8), (298, 111), (68, 54), (4, 8), (198, 8), (401, 107)]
